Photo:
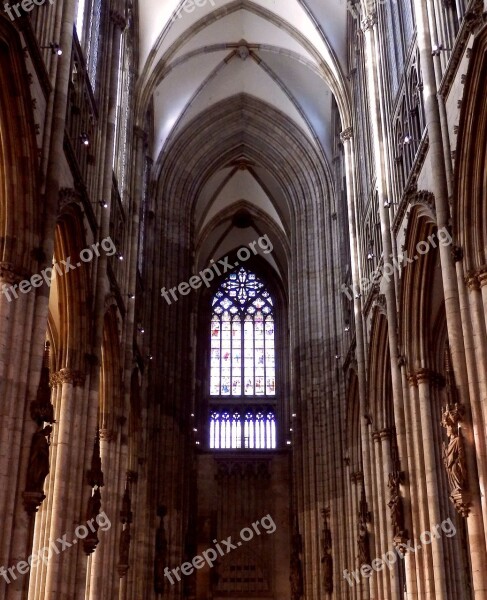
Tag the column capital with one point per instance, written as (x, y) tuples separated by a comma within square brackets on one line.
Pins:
[(9, 273), (67, 196), (346, 134), (369, 21), (473, 281), (76, 378), (132, 476), (106, 434), (423, 375), (412, 379), (118, 18), (356, 477), (376, 435), (140, 133), (482, 275)]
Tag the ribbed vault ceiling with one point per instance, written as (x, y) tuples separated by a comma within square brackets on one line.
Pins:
[(288, 54)]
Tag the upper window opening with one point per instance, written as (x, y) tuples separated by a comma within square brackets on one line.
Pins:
[(242, 385), (242, 338)]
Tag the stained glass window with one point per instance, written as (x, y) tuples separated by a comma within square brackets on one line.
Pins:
[(254, 428), (242, 361), (242, 338)]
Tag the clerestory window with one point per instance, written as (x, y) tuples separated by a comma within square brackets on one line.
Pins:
[(242, 386)]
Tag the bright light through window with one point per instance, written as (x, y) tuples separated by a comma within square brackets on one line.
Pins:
[(242, 364), (80, 17)]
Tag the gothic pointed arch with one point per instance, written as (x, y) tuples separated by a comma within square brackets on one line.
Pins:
[(470, 177), (69, 288), (20, 215)]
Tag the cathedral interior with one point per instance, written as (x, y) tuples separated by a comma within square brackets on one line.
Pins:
[(243, 299)]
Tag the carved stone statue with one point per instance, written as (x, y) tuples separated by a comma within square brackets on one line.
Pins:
[(124, 550), (160, 560), (94, 507), (38, 468), (363, 534), (397, 507), (126, 512), (453, 451), (327, 558), (296, 575), (93, 510)]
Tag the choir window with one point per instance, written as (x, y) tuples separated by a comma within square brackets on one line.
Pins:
[(242, 365)]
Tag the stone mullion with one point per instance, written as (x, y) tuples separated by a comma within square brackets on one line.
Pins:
[(142, 537), (388, 467), (44, 516), (307, 323), (344, 534), (75, 569), (359, 590), (380, 518), (99, 570), (461, 367), (173, 466), (126, 587), (317, 322), (420, 522), (54, 149), (435, 550), (345, 530), (87, 427), (476, 348), (114, 33), (321, 252), (66, 489), (12, 409), (333, 415), (50, 206), (409, 559), (80, 459), (100, 575), (378, 124), (452, 555), (118, 451), (384, 192), (375, 584), (17, 525), (302, 465), (139, 144), (349, 152), (482, 310), (143, 502)]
